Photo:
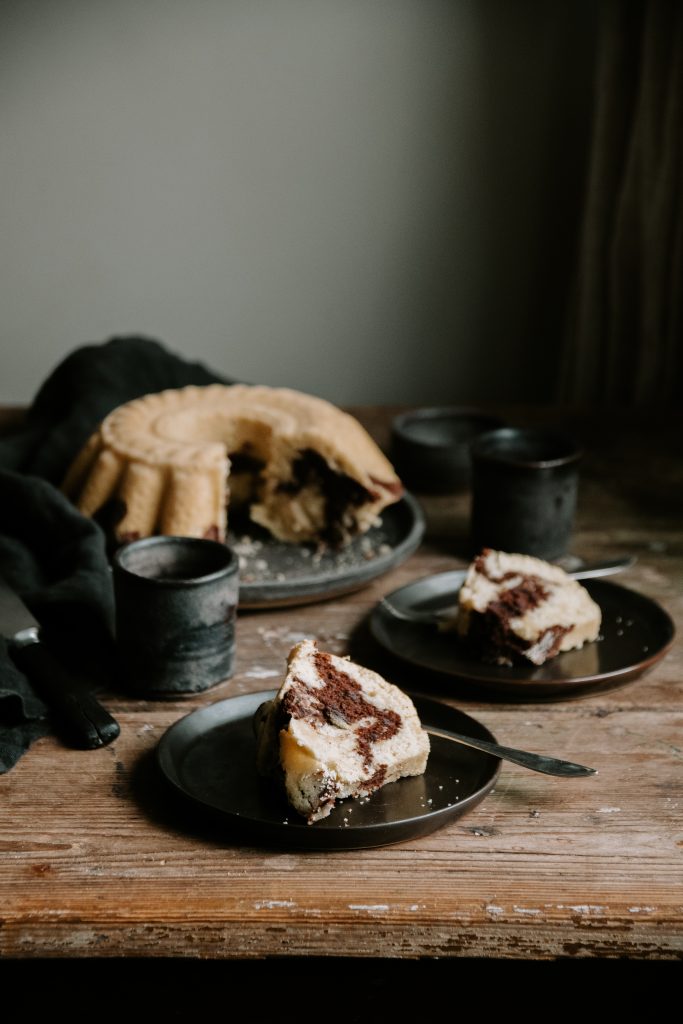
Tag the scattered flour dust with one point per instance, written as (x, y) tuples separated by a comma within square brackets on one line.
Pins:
[(282, 638), (268, 561), (261, 672)]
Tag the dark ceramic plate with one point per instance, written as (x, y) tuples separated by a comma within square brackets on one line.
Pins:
[(635, 633), (209, 759), (273, 574)]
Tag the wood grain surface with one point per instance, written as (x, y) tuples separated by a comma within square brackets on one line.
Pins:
[(97, 859)]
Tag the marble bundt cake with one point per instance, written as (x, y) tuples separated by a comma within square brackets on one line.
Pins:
[(516, 608), (172, 463), (336, 730)]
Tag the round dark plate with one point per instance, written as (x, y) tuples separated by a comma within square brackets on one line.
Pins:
[(274, 574), (635, 633), (209, 758)]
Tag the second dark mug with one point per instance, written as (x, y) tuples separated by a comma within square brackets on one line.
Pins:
[(524, 490)]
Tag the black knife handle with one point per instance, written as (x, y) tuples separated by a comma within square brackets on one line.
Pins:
[(83, 721)]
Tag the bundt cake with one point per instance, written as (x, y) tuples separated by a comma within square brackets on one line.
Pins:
[(516, 608), (172, 462), (335, 730)]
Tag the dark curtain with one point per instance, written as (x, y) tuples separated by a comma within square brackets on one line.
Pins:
[(624, 340)]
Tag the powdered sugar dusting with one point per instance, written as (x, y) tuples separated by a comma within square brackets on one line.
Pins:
[(261, 672)]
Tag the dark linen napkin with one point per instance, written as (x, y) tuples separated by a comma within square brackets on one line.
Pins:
[(53, 556)]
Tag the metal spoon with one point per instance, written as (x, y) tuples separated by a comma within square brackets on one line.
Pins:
[(536, 762), (589, 571)]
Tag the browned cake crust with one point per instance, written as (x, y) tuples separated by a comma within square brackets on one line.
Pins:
[(172, 463)]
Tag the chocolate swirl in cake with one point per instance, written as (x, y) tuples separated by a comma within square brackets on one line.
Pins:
[(340, 702)]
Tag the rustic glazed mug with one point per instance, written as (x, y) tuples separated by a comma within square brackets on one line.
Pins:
[(430, 447), (524, 490), (176, 602)]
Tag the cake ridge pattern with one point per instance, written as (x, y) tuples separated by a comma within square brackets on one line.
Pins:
[(173, 461)]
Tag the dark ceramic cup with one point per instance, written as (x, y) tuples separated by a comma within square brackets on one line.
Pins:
[(524, 489), (176, 601), (430, 447)]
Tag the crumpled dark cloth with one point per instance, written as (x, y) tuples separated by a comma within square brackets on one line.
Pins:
[(54, 557)]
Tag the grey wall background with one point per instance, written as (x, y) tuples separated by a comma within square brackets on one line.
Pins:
[(373, 200)]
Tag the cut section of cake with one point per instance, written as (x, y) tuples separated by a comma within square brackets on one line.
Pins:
[(335, 730), (515, 608)]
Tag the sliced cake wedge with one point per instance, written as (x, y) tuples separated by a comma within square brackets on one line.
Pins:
[(335, 730), (516, 608)]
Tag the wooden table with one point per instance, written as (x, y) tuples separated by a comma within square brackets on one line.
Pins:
[(95, 861)]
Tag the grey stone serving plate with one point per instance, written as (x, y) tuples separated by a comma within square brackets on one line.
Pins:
[(274, 574), (209, 759)]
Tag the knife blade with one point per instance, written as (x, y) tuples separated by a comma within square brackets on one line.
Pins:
[(82, 721)]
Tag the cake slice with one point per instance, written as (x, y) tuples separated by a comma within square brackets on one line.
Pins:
[(336, 730), (516, 608)]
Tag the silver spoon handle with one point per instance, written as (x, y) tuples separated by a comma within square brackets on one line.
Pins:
[(608, 568), (536, 762), (427, 618)]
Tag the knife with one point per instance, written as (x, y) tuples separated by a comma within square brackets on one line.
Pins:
[(82, 720)]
